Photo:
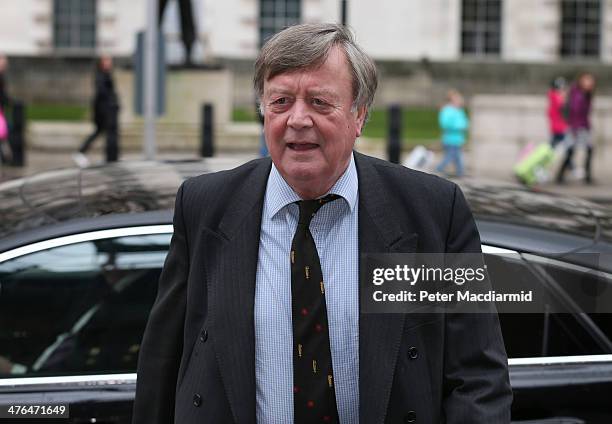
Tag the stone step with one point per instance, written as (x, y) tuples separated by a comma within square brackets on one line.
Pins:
[(235, 137), (68, 136)]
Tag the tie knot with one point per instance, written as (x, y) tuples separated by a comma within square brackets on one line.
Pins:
[(308, 208)]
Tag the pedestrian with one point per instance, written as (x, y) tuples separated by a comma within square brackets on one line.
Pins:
[(557, 96), (454, 123), (579, 103), (5, 148), (105, 107), (257, 316)]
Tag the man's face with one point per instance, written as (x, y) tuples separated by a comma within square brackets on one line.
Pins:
[(309, 126)]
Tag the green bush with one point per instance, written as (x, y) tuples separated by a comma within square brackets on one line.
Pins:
[(417, 124), (50, 112), (244, 115)]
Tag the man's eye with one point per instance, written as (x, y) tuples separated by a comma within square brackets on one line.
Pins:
[(280, 101), (319, 102)]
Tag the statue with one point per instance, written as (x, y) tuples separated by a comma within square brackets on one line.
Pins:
[(188, 29)]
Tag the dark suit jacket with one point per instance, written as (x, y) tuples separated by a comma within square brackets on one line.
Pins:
[(105, 98), (197, 360)]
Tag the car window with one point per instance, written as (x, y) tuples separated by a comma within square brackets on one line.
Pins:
[(82, 308), (551, 334), (79, 308)]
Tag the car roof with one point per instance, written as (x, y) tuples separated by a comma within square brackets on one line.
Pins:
[(516, 205), (56, 197), (508, 214)]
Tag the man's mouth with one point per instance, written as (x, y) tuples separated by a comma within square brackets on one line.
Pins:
[(301, 147)]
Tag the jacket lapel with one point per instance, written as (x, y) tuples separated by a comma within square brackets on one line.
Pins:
[(379, 334), (231, 267)]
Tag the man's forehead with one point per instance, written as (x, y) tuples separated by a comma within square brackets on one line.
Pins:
[(288, 85), (335, 58)]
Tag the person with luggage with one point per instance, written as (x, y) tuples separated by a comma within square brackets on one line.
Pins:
[(579, 134), (454, 124)]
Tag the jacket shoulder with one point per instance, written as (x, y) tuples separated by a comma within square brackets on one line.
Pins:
[(210, 195), (215, 181), (403, 180)]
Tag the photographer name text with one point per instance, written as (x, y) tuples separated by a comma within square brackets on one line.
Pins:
[(458, 296)]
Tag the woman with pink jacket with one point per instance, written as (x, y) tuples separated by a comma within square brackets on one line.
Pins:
[(556, 104)]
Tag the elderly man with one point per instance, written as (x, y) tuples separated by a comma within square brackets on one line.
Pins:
[(257, 317)]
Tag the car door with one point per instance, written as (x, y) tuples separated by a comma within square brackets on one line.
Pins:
[(72, 313), (73, 309), (560, 362)]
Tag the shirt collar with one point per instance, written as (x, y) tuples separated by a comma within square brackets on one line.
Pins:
[(279, 194)]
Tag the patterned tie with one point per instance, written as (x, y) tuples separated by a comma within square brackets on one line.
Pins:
[(314, 398)]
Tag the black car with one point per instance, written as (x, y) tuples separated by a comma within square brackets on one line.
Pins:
[(81, 251)]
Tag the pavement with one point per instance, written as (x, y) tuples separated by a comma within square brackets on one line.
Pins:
[(499, 169)]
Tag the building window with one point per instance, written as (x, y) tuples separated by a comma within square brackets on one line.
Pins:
[(274, 15), (481, 27), (580, 28), (74, 24)]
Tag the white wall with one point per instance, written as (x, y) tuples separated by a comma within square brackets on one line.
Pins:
[(530, 30), (322, 10), (388, 29), (231, 28), (130, 17), (407, 30), (25, 26)]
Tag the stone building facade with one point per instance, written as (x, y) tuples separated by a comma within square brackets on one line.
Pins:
[(421, 46)]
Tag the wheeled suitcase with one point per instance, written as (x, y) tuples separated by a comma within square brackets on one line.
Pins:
[(533, 168)]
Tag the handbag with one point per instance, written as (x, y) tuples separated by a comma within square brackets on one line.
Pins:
[(3, 126)]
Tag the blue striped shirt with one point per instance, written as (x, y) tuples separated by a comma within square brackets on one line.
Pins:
[(334, 229)]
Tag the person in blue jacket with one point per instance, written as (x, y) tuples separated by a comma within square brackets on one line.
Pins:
[(454, 124)]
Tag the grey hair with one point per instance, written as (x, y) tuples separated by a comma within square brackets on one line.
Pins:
[(307, 46)]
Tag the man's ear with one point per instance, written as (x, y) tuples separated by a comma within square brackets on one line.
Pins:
[(360, 119)]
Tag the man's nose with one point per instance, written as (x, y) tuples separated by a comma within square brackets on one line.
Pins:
[(300, 116)]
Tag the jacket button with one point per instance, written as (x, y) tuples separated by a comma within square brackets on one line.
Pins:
[(197, 400), (410, 417), (413, 353), (203, 336)]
